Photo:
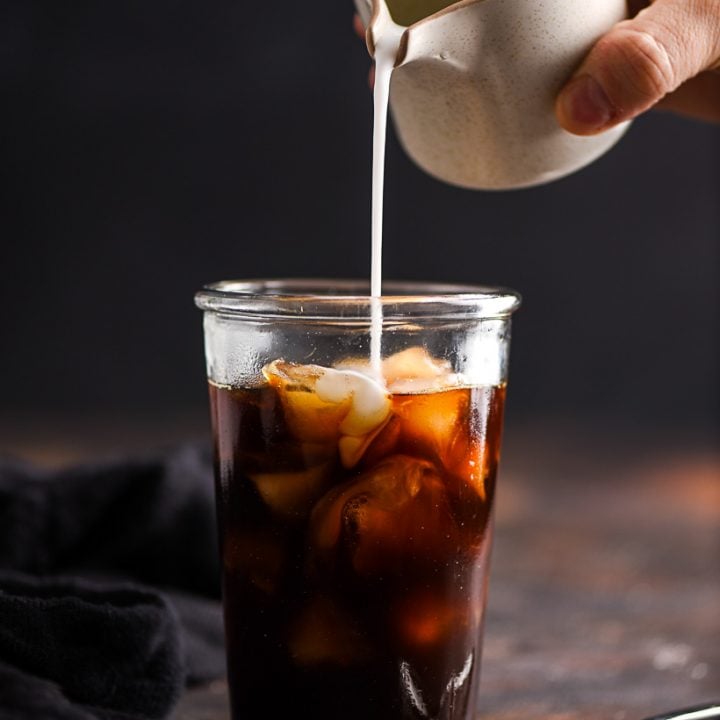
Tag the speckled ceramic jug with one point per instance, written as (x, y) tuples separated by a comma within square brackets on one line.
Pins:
[(475, 83)]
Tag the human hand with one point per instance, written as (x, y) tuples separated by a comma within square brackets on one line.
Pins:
[(665, 56)]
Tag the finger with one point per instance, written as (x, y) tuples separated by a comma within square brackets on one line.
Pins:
[(698, 98), (639, 62)]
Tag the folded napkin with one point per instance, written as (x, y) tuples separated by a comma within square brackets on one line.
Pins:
[(109, 587)]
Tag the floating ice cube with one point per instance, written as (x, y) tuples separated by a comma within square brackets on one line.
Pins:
[(293, 493), (424, 618), (347, 407), (394, 513), (444, 426), (309, 417), (416, 363), (326, 405), (408, 371), (430, 422)]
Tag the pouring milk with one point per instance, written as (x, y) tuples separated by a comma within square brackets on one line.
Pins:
[(386, 40)]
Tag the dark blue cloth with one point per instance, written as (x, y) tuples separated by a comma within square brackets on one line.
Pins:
[(109, 588)]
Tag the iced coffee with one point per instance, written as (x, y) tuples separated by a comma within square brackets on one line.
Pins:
[(355, 507)]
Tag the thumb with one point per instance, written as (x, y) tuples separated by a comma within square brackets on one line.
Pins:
[(638, 62)]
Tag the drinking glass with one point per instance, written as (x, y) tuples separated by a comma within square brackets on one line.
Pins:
[(357, 442)]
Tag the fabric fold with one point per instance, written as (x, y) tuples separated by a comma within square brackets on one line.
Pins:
[(109, 587)]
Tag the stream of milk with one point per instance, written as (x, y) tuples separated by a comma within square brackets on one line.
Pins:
[(386, 49)]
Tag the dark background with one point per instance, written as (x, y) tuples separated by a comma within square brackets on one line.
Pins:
[(149, 147)]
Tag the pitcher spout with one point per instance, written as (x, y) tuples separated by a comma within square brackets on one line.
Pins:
[(408, 28), (382, 32)]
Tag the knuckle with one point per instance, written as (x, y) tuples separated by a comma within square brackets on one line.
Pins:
[(636, 65), (647, 65)]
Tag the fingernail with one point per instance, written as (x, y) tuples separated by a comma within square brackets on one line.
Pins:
[(584, 106)]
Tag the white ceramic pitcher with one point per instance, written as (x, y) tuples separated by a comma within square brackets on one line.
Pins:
[(475, 83)]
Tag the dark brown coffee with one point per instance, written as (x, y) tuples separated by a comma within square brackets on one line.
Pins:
[(355, 556)]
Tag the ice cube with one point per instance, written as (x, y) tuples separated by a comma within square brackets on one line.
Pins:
[(425, 618), (416, 386), (444, 426), (325, 405), (474, 453), (415, 371), (415, 362), (408, 371), (430, 421), (395, 511), (467, 459), (310, 418), (293, 493), (323, 633)]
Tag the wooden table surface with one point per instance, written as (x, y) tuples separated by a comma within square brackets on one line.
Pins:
[(605, 587)]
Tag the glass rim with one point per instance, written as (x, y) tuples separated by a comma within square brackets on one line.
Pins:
[(341, 300)]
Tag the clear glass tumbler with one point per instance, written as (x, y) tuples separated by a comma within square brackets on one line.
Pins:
[(355, 493)]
